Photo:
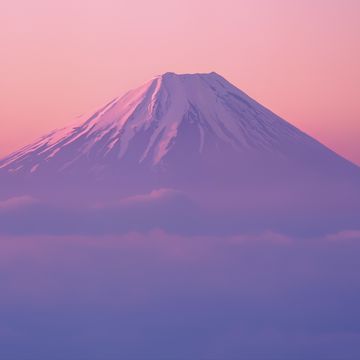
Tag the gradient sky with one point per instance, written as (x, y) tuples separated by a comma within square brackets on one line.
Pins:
[(300, 59)]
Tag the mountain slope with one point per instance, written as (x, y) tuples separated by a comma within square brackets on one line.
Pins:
[(194, 133), (222, 114)]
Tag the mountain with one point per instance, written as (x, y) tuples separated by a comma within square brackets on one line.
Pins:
[(194, 133)]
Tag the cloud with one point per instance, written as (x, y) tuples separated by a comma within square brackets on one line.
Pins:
[(169, 210), (345, 235), (164, 208), (268, 236), (156, 197), (153, 196), (150, 295), (17, 202)]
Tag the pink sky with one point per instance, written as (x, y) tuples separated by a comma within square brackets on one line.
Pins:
[(300, 59)]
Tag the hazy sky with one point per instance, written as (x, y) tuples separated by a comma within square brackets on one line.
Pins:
[(61, 58)]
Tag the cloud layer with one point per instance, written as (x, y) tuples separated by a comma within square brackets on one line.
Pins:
[(160, 296), (166, 209)]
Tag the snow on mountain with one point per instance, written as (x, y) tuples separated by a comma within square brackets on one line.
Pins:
[(195, 133), (158, 108)]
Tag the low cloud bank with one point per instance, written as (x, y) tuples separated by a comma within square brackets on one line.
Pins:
[(155, 295), (166, 209)]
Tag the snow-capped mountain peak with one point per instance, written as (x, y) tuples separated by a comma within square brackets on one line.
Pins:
[(194, 133), (218, 111)]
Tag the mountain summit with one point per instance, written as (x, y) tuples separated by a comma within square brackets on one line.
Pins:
[(195, 133), (146, 124)]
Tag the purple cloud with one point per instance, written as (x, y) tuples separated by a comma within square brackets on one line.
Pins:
[(150, 295), (17, 202)]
